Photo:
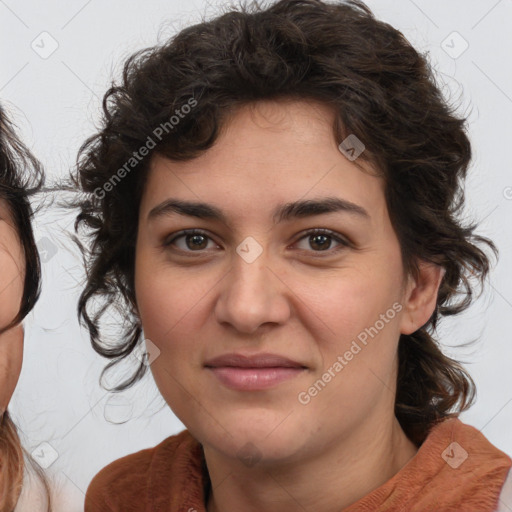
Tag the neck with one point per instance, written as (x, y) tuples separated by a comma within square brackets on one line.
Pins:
[(346, 471)]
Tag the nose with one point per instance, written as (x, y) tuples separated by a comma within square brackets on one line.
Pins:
[(252, 295)]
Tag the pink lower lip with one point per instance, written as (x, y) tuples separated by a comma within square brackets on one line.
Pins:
[(236, 377)]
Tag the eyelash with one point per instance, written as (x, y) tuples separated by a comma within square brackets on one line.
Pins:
[(314, 231)]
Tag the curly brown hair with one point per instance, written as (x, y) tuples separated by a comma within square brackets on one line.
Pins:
[(381, 90)]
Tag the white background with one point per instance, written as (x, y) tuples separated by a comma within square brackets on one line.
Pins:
[(55, 101)]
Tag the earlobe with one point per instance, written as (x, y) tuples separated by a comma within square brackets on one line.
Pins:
[(421, 296)]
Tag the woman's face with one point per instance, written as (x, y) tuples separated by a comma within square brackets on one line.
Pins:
[(334, 303), (12, 272)]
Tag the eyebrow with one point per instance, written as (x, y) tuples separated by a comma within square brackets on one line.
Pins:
[(284, 212)]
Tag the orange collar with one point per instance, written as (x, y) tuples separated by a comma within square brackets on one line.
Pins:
[(455, 469)]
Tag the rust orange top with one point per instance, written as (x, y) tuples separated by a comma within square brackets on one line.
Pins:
[(455, 469)]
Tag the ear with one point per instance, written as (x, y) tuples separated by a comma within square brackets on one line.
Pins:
[(420, 297)]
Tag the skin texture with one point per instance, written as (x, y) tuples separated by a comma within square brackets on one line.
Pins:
[(11, 292), (294, 300)]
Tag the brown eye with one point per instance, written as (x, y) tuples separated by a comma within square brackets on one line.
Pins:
[(195, 241), (191, 240), (321, 240)]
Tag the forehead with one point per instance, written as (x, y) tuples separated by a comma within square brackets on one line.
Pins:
[(267, 153)]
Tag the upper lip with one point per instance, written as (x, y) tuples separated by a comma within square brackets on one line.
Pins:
[(253, 361)]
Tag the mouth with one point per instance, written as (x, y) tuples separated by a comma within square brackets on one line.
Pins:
[(256, 372)]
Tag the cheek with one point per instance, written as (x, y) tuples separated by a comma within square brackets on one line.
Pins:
[(355, 317), (169, 305), (161, 306), (349, 300), (11, 277)]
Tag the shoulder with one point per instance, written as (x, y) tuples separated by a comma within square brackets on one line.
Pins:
[(123, 484)]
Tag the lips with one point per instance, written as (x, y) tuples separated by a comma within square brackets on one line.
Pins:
[(253, 361), (253, 373)]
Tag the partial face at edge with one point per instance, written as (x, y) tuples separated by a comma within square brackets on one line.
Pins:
[(12, 278), (306, 297)]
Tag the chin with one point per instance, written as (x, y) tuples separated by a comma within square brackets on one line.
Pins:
[(251, 443)]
